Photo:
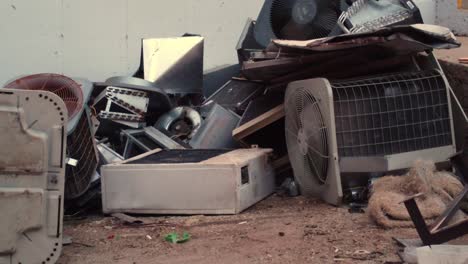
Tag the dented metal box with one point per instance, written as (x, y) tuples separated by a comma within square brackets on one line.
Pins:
[(188, 182)]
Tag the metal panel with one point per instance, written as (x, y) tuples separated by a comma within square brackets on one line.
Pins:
[(216, 130), (30, 201), (174, 64), (163, 189)]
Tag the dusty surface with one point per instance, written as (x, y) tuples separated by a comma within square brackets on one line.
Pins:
[(453, 55), (277, 230)]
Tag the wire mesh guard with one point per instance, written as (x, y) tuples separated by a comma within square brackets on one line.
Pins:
[(307, 138), (80, 147), (64, 87), (391, 114)]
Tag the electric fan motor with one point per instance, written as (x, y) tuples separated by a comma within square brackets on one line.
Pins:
[(364, 126)]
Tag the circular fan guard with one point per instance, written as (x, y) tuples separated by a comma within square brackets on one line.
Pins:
[(64, 87), (303, 19), (306, 138)]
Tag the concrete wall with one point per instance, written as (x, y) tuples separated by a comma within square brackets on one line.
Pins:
[(101, 38), (450, 16)]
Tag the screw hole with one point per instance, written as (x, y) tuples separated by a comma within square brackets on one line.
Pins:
[(46, 97), (40, 95), (27, 99)]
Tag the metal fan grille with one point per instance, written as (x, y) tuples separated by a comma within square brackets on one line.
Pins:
[(307, 132), (64, 87), (80, 146), (391, 114), (322, 18)]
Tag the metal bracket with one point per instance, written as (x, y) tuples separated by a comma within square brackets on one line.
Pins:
[(439, 232)]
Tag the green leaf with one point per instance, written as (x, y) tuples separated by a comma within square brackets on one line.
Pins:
[(185, 237), (174, 238)]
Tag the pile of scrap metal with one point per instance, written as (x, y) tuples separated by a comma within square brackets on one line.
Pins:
[(340, 92), (330, 94)]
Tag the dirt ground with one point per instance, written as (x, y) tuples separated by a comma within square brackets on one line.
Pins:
[(453, 55), (276, 230)]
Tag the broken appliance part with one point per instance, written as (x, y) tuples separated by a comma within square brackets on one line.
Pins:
[(80, 131), (235, 95), (369, 15), (346, 56), (107, 155), (159, 101), (296, 20), (439, 232), (247, 42), (157, 182), (147, 139), (32, 176), (82, 147), (125, 106), (174, 64), (338, 132), (215, 131), (181, 122), (68, 89)]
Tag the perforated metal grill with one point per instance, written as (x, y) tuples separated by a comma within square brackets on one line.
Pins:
[(391, 114)]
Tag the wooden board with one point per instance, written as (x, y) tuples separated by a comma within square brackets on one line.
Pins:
[(259, 122)]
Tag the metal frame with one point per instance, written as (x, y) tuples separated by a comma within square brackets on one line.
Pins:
[(152, 133), (439, 232)]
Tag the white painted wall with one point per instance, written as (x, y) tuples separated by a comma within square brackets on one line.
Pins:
[(97, 39), (450, 16), (428, 10), (101, 38)]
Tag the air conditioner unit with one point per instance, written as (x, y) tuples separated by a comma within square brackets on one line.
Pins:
[(32, 168), (188, 181), (338, 132)]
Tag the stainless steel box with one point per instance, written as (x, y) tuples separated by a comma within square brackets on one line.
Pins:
[(188, 182)]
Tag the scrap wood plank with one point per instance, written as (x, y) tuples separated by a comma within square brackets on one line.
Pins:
[(259, 122)]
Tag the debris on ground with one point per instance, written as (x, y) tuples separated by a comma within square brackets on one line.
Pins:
[(386, 206), (174, 238), (328, 99)]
